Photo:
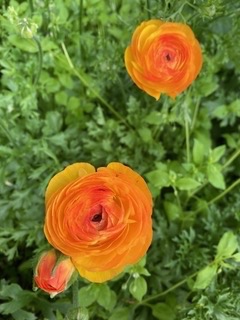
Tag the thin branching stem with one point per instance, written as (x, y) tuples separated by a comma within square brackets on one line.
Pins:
[(93, 90), (220, 196), (227, 163), (163, 293)]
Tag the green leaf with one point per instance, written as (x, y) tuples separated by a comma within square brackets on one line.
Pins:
[(187, 184), (215, 176), (205, 276), (24, 44), (163, 311), (154, 117), (227, 245), (138, 288), (106, 297), (172, 210), (22, 314), (78, 314), (217, 153), (158, 178), (145, 134), (198, 152), (120, 314), (88, 295), (236, 257)]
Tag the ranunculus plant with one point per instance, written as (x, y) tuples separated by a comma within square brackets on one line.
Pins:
[(100, 218), (53, 272), (163, 57)]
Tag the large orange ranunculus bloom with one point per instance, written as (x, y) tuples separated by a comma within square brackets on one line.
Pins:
[(163, 57), (101, 219)]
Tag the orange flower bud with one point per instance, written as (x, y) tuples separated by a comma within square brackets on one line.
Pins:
[(163, 57), (52, 274), (101, 219)]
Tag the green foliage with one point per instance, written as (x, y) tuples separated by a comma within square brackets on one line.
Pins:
[(66, 97)]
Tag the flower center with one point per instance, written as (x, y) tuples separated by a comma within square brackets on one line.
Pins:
[(168, 57), (97, 217)]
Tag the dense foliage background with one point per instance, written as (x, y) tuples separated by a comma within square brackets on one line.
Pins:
[(66, 97)]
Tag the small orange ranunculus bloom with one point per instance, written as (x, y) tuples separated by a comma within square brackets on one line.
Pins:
[(52, 274), (101, 219), (163, 57)]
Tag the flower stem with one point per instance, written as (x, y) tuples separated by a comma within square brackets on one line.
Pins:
[(195, 114), (94, 91), (40, 60), (80, 26), (187, 138), (75, 299), (148, 9)]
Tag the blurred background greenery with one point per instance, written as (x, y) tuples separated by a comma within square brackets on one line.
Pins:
[(66, 97)]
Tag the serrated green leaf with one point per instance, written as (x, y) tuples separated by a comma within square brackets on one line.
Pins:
[(145, 134), (227, 245), (215, 176), (154, 117), (199, 152), (162, 311), (138, 288), (187, 184), (205, 276)]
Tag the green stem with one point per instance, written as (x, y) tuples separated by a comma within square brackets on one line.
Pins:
[(187, 138), (40, 60), (195, 114), (231, 159), (175, 286), (75, 295), (80, 26), (220, 196), (30, 2), (148, 9), (94, 91)]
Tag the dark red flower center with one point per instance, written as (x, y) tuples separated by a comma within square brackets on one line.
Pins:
[(168, 57), (97, 217)]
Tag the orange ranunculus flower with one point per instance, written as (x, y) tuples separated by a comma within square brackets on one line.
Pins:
[(52, 273), (101, 219), (163, 57)]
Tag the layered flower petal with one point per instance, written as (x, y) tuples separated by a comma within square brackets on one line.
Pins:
[(163, 57), (102, 219)]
